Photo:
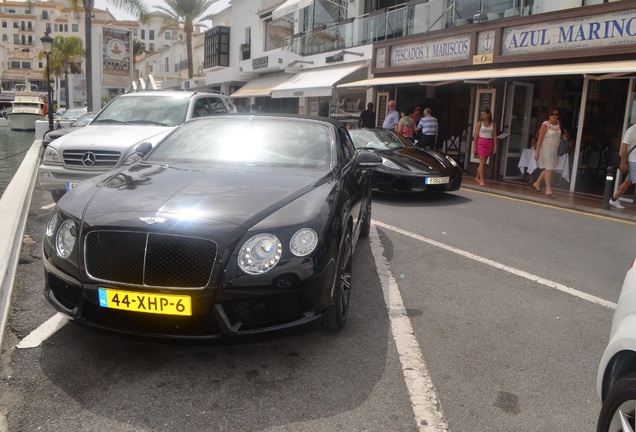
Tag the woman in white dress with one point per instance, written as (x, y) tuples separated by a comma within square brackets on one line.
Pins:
[(547, 152)]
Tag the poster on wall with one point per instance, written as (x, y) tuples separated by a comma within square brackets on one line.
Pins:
[(484, 98), (116, 56)]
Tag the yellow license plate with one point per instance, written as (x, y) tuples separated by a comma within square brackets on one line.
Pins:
[(166, 304)]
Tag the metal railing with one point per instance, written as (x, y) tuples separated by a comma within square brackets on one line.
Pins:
[(396, 21)]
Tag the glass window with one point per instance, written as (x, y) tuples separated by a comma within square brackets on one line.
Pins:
[(143, 33), (4, 24), (151, 34), (276, 31), (75, 28), (151, 47), (167, 35)]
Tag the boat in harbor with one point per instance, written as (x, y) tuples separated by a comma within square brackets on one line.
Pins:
[(26, 108), (5, 107)]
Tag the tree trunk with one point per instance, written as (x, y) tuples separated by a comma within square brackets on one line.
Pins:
[(189, 48)]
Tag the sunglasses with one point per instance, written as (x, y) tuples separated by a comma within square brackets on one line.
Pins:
[(555, 114)]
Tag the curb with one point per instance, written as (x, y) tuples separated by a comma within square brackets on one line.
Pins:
[(612, 214), (14, 210)]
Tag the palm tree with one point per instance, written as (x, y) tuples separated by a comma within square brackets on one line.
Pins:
[(138, 49), (186, 14), (137, 7), (64, 53)]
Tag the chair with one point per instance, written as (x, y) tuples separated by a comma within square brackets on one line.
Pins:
[(453, 146)]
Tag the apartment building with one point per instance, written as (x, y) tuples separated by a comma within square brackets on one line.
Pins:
[(22, 24)]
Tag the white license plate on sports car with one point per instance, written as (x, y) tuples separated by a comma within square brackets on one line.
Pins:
[(70, 185), (437, 180)]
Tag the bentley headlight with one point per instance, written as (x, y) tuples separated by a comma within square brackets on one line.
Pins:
[(51, 155), (303, 242), (260, 253), (390, 164), (133, 158), (65, 239), (451, 160), (51, 225)]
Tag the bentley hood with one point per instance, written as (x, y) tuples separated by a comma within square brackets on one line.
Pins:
[(237, 197)]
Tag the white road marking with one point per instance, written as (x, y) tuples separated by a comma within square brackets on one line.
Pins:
[(500, 266), (42, 333), (424, 400)]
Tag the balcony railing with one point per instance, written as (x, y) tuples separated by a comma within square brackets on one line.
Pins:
[(396, 21)]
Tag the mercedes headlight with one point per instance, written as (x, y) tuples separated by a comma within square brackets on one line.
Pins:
[(133, 158), (260, 253), (65, 239), (51, 155)]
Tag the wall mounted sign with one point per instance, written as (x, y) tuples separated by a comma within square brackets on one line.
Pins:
[(434, 51), (260, 62), (595, 31)]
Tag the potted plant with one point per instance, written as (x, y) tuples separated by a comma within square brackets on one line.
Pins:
[(245, 51)]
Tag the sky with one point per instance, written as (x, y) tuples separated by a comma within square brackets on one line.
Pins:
[(121, 15)]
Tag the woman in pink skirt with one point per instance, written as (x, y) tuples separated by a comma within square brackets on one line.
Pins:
[(485, 142)]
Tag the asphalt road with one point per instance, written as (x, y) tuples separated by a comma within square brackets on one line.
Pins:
[(471, 312)]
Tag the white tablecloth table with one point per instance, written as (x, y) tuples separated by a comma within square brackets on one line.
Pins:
[(528, 164)]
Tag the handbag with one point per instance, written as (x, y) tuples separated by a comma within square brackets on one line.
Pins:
[(564, 146)]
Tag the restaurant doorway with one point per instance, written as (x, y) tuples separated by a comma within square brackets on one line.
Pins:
[(516, 127)]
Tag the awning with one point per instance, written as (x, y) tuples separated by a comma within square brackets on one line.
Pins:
[(315, 82), (593, 71), (290, 6), (261, 86)]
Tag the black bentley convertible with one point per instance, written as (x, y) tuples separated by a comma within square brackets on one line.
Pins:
[(232, 225)]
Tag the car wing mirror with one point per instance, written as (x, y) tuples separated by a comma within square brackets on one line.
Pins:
[(367, 160), (143, 149)]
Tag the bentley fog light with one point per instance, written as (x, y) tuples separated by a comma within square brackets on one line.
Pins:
[(303, 242), (51, 225), (65, 239), (260, 253)]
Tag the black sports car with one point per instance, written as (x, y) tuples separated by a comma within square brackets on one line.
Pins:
[(405, 167), (232, 225)]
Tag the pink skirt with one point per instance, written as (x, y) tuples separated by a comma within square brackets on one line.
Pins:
[(484, 147)]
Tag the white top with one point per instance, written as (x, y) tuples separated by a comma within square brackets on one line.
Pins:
[(486, 131), (630, 139)]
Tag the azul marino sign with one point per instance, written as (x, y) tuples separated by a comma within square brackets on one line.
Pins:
[(596, 31)]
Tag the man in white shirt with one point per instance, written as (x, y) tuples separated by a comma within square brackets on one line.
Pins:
[(392, 118), (628, 161), (429, 128)]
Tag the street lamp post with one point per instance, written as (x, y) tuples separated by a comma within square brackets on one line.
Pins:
[(47, 46)]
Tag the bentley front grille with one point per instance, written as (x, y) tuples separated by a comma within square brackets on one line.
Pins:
[(150, 259)]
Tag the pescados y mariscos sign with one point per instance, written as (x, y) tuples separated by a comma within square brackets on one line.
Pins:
[(596, 31), (439, 50)]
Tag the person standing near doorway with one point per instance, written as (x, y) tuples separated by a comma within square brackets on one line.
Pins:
[(367, 117), (429, 128), (406, 126), (485, 142), (392, 117), (548, 152), (628, 162)]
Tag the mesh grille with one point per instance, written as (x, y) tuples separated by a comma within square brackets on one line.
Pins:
[(266, 312), (101, 159), (148, 324), (68, 295), (149, 259)]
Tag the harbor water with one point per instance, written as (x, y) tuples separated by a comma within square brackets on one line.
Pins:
[(13, 147)]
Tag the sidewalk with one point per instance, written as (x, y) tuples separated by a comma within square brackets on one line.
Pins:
[(576, 201)]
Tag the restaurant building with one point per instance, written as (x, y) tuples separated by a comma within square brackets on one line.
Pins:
[(579, 61)]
